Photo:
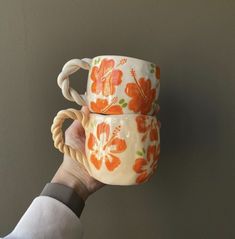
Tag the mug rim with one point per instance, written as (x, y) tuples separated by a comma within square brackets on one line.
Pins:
[(130, 57)]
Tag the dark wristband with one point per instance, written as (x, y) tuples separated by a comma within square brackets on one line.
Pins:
[(65, 195)]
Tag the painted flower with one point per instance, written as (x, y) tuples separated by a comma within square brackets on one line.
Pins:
[(147, 128), (106, 146), (157, 72), (105, 78), (146, 167), (141, 93), (102, 106)]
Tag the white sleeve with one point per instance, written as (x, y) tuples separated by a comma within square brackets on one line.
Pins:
[(47, 218)]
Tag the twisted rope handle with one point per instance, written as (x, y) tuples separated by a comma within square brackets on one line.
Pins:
[(57, 134), (69, 68)]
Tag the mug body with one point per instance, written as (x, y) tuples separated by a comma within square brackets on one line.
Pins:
[(122, 85), (122, 149)]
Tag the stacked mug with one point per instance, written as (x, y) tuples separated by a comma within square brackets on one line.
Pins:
[(122, 130)]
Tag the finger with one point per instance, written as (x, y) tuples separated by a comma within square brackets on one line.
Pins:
[(77, 124), (85, 110)]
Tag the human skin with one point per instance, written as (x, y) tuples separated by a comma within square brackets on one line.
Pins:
[(72, 173)]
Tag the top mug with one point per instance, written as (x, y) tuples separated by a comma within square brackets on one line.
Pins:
[(115, 85)]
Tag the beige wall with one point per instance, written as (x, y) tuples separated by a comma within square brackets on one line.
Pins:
[(191, 195)]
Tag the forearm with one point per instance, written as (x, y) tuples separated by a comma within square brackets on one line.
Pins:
[(59, 206), (47, 218)]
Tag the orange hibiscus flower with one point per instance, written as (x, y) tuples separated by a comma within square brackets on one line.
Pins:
[(104, 148), (105, 78), (144, 127), (102, 106), (141, 93), (146, 167)]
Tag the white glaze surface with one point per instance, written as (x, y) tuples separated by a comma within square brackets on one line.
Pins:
[(129, 84), (126, 145)]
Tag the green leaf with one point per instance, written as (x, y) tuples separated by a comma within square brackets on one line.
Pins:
[(121, 101), (152, 71), (152, 65), (143, 150), (139, 153), (124, 105)]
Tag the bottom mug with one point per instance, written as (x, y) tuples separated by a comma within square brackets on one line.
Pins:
[(120, 149)]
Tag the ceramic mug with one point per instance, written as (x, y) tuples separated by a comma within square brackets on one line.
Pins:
[(119, 149), (115, 85)]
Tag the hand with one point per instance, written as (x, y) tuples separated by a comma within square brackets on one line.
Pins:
[(72, 173)]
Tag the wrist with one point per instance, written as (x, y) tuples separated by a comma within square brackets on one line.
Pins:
[(66, 195), (66, 178)]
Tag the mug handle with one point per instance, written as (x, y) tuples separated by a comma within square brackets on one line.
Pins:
[(69, 68), (57, 133)]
